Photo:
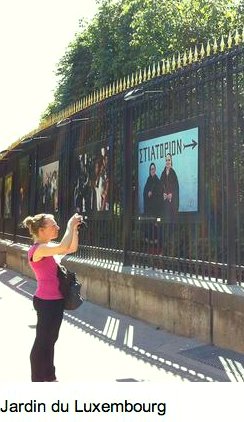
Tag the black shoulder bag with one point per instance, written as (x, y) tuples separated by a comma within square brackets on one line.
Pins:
[(70, 288)]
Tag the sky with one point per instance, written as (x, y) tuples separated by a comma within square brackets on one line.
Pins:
[(34, 35)]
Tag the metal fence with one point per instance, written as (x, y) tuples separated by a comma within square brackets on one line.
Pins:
[(92, 161)]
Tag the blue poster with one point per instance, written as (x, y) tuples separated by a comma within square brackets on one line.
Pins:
[(168, 174)]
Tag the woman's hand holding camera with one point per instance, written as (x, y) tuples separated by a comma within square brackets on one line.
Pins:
[(75, 221)]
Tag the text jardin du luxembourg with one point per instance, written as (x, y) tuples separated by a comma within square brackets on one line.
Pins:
[(59, 406)]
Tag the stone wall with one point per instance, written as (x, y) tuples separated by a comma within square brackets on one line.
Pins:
[(210, 314)]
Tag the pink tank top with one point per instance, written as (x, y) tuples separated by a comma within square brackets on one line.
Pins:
[(46, 276)]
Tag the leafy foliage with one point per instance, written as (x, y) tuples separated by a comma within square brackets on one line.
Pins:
[(126, 35)]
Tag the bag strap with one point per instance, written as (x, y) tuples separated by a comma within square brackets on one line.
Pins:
[(34, 247)]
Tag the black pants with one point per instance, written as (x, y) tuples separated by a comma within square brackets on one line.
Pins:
[(49, 318)]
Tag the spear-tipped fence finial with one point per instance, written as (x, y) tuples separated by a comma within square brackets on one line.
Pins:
[(202, 52), (237, 37), (164, 66), (179, 60), (158, 73), (229, 42), (222, 44), (184, 58), (190, 56), (208, 49)]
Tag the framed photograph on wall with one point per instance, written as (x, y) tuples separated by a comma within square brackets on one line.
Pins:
[(1, 195), (168, 172), (23, 188), (48, 186), (91, 187), (8, 187)]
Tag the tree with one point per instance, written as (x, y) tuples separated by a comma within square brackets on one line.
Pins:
[(74, 75), (126, 35)]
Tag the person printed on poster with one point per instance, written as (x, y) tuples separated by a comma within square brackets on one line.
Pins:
[(169, 190), (98, 185), (82, 194), (152, 194), (105, 177), (92, 185)]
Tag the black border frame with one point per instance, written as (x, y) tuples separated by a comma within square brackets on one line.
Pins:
[(10, 174), (43, 163), (166, 130), (86, 149)]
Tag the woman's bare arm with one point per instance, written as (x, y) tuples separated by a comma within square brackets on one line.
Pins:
[(63, 247)]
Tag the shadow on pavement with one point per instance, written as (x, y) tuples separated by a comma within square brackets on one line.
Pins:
[(143, 341)]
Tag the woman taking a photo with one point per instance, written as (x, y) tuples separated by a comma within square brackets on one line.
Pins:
[(48, 300)]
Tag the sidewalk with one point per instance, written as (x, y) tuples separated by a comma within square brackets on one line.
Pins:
[(97, 344)]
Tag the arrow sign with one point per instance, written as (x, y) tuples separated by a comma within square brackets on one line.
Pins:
[(193, 144)]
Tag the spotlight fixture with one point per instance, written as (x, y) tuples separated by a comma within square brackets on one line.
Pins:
[(5, 151), (33, 138), (139, 92), (65, 122)]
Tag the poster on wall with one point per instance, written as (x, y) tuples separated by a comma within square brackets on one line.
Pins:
[(91, 191), (48, 178), (1, 195), (23, 200), (8, 185), (168, 174)]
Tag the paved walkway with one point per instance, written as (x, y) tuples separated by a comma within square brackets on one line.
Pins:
[(102, 345)]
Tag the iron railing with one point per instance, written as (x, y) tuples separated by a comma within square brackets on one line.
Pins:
[(204, 89)]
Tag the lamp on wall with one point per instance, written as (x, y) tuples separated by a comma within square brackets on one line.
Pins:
[(139, 92), (33, 138), (5, 151), (68, 120)]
